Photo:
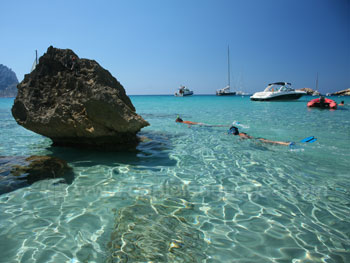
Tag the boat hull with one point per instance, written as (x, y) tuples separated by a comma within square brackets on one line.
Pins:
[(183, 94), (226, 94), (293, 96)]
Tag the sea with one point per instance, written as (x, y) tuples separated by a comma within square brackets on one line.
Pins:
[(189, 193)]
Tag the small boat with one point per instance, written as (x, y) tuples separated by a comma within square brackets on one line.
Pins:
[(278, 91), (239, 88), (322, 103), (183, 91), (226, 91)]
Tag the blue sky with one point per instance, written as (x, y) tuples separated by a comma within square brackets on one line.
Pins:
[(153, 46)]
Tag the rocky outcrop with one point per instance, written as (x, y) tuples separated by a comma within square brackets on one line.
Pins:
[(345, 92), (308, 91), (75, 102), (16, 172), (8, 82)]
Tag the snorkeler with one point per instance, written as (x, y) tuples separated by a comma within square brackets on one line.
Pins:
[(341, 103), (234, 130), (178, 119)]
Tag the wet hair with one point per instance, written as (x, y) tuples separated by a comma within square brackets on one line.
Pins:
[(233, 130), (179, 119)]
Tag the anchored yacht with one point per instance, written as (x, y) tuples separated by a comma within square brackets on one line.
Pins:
[(227, 90)]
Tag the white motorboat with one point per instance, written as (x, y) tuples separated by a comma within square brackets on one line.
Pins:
[(226, 91), (183, 91), (278, 91)]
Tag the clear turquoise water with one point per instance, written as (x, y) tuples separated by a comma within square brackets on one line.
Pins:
[(219, 198)]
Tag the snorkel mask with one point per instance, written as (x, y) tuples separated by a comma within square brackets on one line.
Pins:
[(178, 119), (233, 130)]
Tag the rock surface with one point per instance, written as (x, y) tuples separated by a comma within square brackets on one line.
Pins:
[(75, 102), (17, 172), (308, 91)]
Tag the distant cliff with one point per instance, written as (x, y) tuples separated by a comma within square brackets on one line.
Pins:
[(345, 92), (8, 82), (310, 91)]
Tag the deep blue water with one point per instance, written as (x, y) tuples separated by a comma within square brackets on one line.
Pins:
[(239, 200)]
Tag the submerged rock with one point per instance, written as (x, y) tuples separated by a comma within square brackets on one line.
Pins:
[(17, 172), (75, 102), (148, 232)]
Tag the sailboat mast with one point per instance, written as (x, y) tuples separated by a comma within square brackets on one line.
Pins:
[(228, 64), (317, 82)]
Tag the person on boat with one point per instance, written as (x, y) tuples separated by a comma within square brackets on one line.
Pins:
[(341, 103), (234, 130), (322, 102)]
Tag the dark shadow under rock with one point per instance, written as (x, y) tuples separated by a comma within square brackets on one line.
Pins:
[(17, 172)]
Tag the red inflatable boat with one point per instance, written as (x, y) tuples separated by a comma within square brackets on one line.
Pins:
[(323, 103)]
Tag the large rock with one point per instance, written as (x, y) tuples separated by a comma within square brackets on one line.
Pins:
[(76, 102)]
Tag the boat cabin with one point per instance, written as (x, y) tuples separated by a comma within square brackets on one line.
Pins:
[(279, 87)]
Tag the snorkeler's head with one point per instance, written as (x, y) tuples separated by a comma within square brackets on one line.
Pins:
[(233, 130), (178, 119)]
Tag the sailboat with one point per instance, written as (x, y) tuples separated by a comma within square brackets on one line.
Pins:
[(35, 63), (239, 86), (316, 93), (226, 91)]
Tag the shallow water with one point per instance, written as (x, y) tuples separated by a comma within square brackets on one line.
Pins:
[(190, 194)]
